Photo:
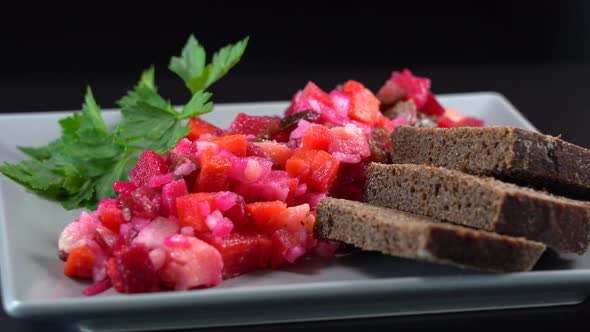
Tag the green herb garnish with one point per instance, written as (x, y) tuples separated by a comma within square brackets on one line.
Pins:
[(80, 167)]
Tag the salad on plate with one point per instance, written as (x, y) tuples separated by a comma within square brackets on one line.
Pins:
[(172, 202)]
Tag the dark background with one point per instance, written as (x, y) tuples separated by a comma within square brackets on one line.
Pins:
[(536, 53)]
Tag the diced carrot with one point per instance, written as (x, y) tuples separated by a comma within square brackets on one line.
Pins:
[(79, 263), (316, 168), (266, 214), (236, 144), (192, 210), (200, 127), (316, 137), (214, 172), (364, 106)]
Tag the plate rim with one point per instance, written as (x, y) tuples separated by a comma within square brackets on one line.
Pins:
[(108, 304)]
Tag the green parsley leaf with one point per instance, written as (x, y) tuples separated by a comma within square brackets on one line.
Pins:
[(190, 65), (191, 61), (79, 168), (198, 105)]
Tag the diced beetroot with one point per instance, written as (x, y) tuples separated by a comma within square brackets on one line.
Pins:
[(199, 127), (184, 148), (98, 287), (364, 106), (135, 270), (153, 234), (316, 137), (198, 265), (237, 213), (349, 144), (160, 180), (240, 253), (390, 93), (170, 192), (148, 165), (124, 188), (312, 91), (326, 248), (310, 197), (278, 185), (416, 88), (114, 275), (282, 242), (143, 202), (350, 181), (258, 125), (112, 217), (432, 106)]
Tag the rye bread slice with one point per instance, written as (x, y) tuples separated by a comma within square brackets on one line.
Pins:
[(408, 235), (482, 203), (511, 154)]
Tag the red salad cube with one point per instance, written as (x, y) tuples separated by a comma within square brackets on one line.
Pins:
[(257, 125), (80, 263), (312, 91), (214, 172), (143, 202), (364, 106), (236, 144), (133, 271), (316, 168), (170, 192), (316, 137), (432, 106), (112, 217), (239, 252), (415, 88), (198, 127), (148, 165)]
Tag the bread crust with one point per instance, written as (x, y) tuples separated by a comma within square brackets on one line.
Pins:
[(407, 235)]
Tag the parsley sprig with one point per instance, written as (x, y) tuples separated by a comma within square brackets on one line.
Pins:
[(79, 168)]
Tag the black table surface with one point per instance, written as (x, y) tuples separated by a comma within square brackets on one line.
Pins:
[(554, 97)]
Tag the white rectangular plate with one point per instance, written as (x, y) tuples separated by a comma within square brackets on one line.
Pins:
[(360, 284)]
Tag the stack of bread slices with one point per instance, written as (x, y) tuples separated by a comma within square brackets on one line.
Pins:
[(490, 198)]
